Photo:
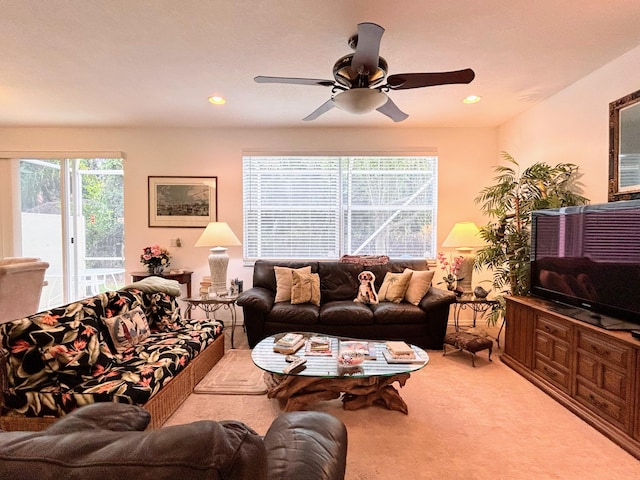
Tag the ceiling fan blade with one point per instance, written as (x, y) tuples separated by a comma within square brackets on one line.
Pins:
[(295, 81), (403, 81), (325, 107), (392, 111), (365, 58)]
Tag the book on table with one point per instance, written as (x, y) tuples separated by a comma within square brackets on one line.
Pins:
[(319, 345), (289, 343), (398, 350)]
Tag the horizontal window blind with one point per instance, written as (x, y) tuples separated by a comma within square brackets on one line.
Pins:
[(321, 207)]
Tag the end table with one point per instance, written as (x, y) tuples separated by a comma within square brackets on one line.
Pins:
[(476, 305), (210, 305)]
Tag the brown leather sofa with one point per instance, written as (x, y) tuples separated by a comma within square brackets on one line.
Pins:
[(424, 324), (108, 441)]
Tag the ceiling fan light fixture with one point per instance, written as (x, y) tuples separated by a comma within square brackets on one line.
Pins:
[(360, 100)]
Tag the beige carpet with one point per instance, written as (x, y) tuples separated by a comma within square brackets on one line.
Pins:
[(463, 423), (234, 374)]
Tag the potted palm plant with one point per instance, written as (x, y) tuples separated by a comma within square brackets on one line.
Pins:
[(508, 204)]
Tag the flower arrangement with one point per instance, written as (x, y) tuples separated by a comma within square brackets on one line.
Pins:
[(450, 266), (155, 258)]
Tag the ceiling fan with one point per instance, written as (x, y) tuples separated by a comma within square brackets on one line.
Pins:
[(358, 79)]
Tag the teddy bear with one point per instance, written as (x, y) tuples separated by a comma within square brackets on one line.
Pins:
[(367, 289)]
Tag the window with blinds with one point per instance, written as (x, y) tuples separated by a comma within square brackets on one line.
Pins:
[(322, 207)]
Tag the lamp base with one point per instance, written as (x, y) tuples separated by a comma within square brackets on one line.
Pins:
[(218, 262), (465, 272)]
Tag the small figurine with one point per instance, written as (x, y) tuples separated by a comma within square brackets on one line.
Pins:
[(480, 292)]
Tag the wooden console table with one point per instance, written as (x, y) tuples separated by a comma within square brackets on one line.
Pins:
[(593, 372)]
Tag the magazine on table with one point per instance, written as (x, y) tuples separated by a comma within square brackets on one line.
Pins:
[(362, 347)]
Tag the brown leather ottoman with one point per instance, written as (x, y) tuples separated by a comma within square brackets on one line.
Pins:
[(468, 342)]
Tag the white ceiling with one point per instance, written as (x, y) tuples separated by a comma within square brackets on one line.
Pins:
[(155, 62)]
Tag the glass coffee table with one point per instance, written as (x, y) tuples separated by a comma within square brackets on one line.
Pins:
[(369, 383)]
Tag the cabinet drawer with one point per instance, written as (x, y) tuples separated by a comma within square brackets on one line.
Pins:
[(555, 374), (615, 412), (559, 329), (604, 349)]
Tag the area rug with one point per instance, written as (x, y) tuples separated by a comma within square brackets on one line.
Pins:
[(234, 374)]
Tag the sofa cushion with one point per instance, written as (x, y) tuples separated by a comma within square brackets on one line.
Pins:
[(284, 282), (305, 288), (303, 314), (419, 285), (62, 341), (74, 348), (394, 286), (127, 329), (389, 313), (346, 312), (338, 281)]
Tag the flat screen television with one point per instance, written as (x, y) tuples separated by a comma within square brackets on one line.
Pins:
[(587, 260)]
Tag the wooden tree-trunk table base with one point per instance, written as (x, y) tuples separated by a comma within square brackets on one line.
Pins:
[(297, 392)]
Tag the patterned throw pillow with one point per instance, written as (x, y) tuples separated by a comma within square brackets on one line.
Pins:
[(305, 288), (394, 287), (127, 329), (419, 285), (284, 281)]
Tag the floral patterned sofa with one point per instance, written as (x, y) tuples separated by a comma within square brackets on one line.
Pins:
[(55, 361)]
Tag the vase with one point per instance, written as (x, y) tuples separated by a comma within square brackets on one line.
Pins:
[(155, 269)]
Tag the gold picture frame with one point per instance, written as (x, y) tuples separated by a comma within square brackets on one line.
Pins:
[(182, 202)]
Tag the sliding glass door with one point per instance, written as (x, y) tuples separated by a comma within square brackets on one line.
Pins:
[(71, 215)]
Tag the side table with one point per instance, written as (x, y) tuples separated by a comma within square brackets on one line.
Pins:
[(211, 305), (476, 305)]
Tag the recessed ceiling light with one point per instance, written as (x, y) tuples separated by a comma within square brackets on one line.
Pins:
[(217, 100), (472, 99)]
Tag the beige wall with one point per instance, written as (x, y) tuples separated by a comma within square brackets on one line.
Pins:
[(466, 157), (573, 126)]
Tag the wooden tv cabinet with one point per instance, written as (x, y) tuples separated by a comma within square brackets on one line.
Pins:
[(593, 372)]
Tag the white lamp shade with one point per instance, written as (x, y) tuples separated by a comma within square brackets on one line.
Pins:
[(217, 234), (464, 236), (360, 100)]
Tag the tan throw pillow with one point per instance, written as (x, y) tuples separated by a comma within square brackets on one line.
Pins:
[(284, 281), (127, 329), (305, 288), (394, 286), (419, 285)]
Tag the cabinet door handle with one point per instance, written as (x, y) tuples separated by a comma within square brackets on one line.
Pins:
[(600, 405), (551, 373), (548, 329), (600, 351)]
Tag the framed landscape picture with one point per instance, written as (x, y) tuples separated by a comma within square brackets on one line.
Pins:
[(183, 201)]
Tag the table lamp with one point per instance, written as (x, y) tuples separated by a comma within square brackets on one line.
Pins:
[(218, 236), (464, 237)]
